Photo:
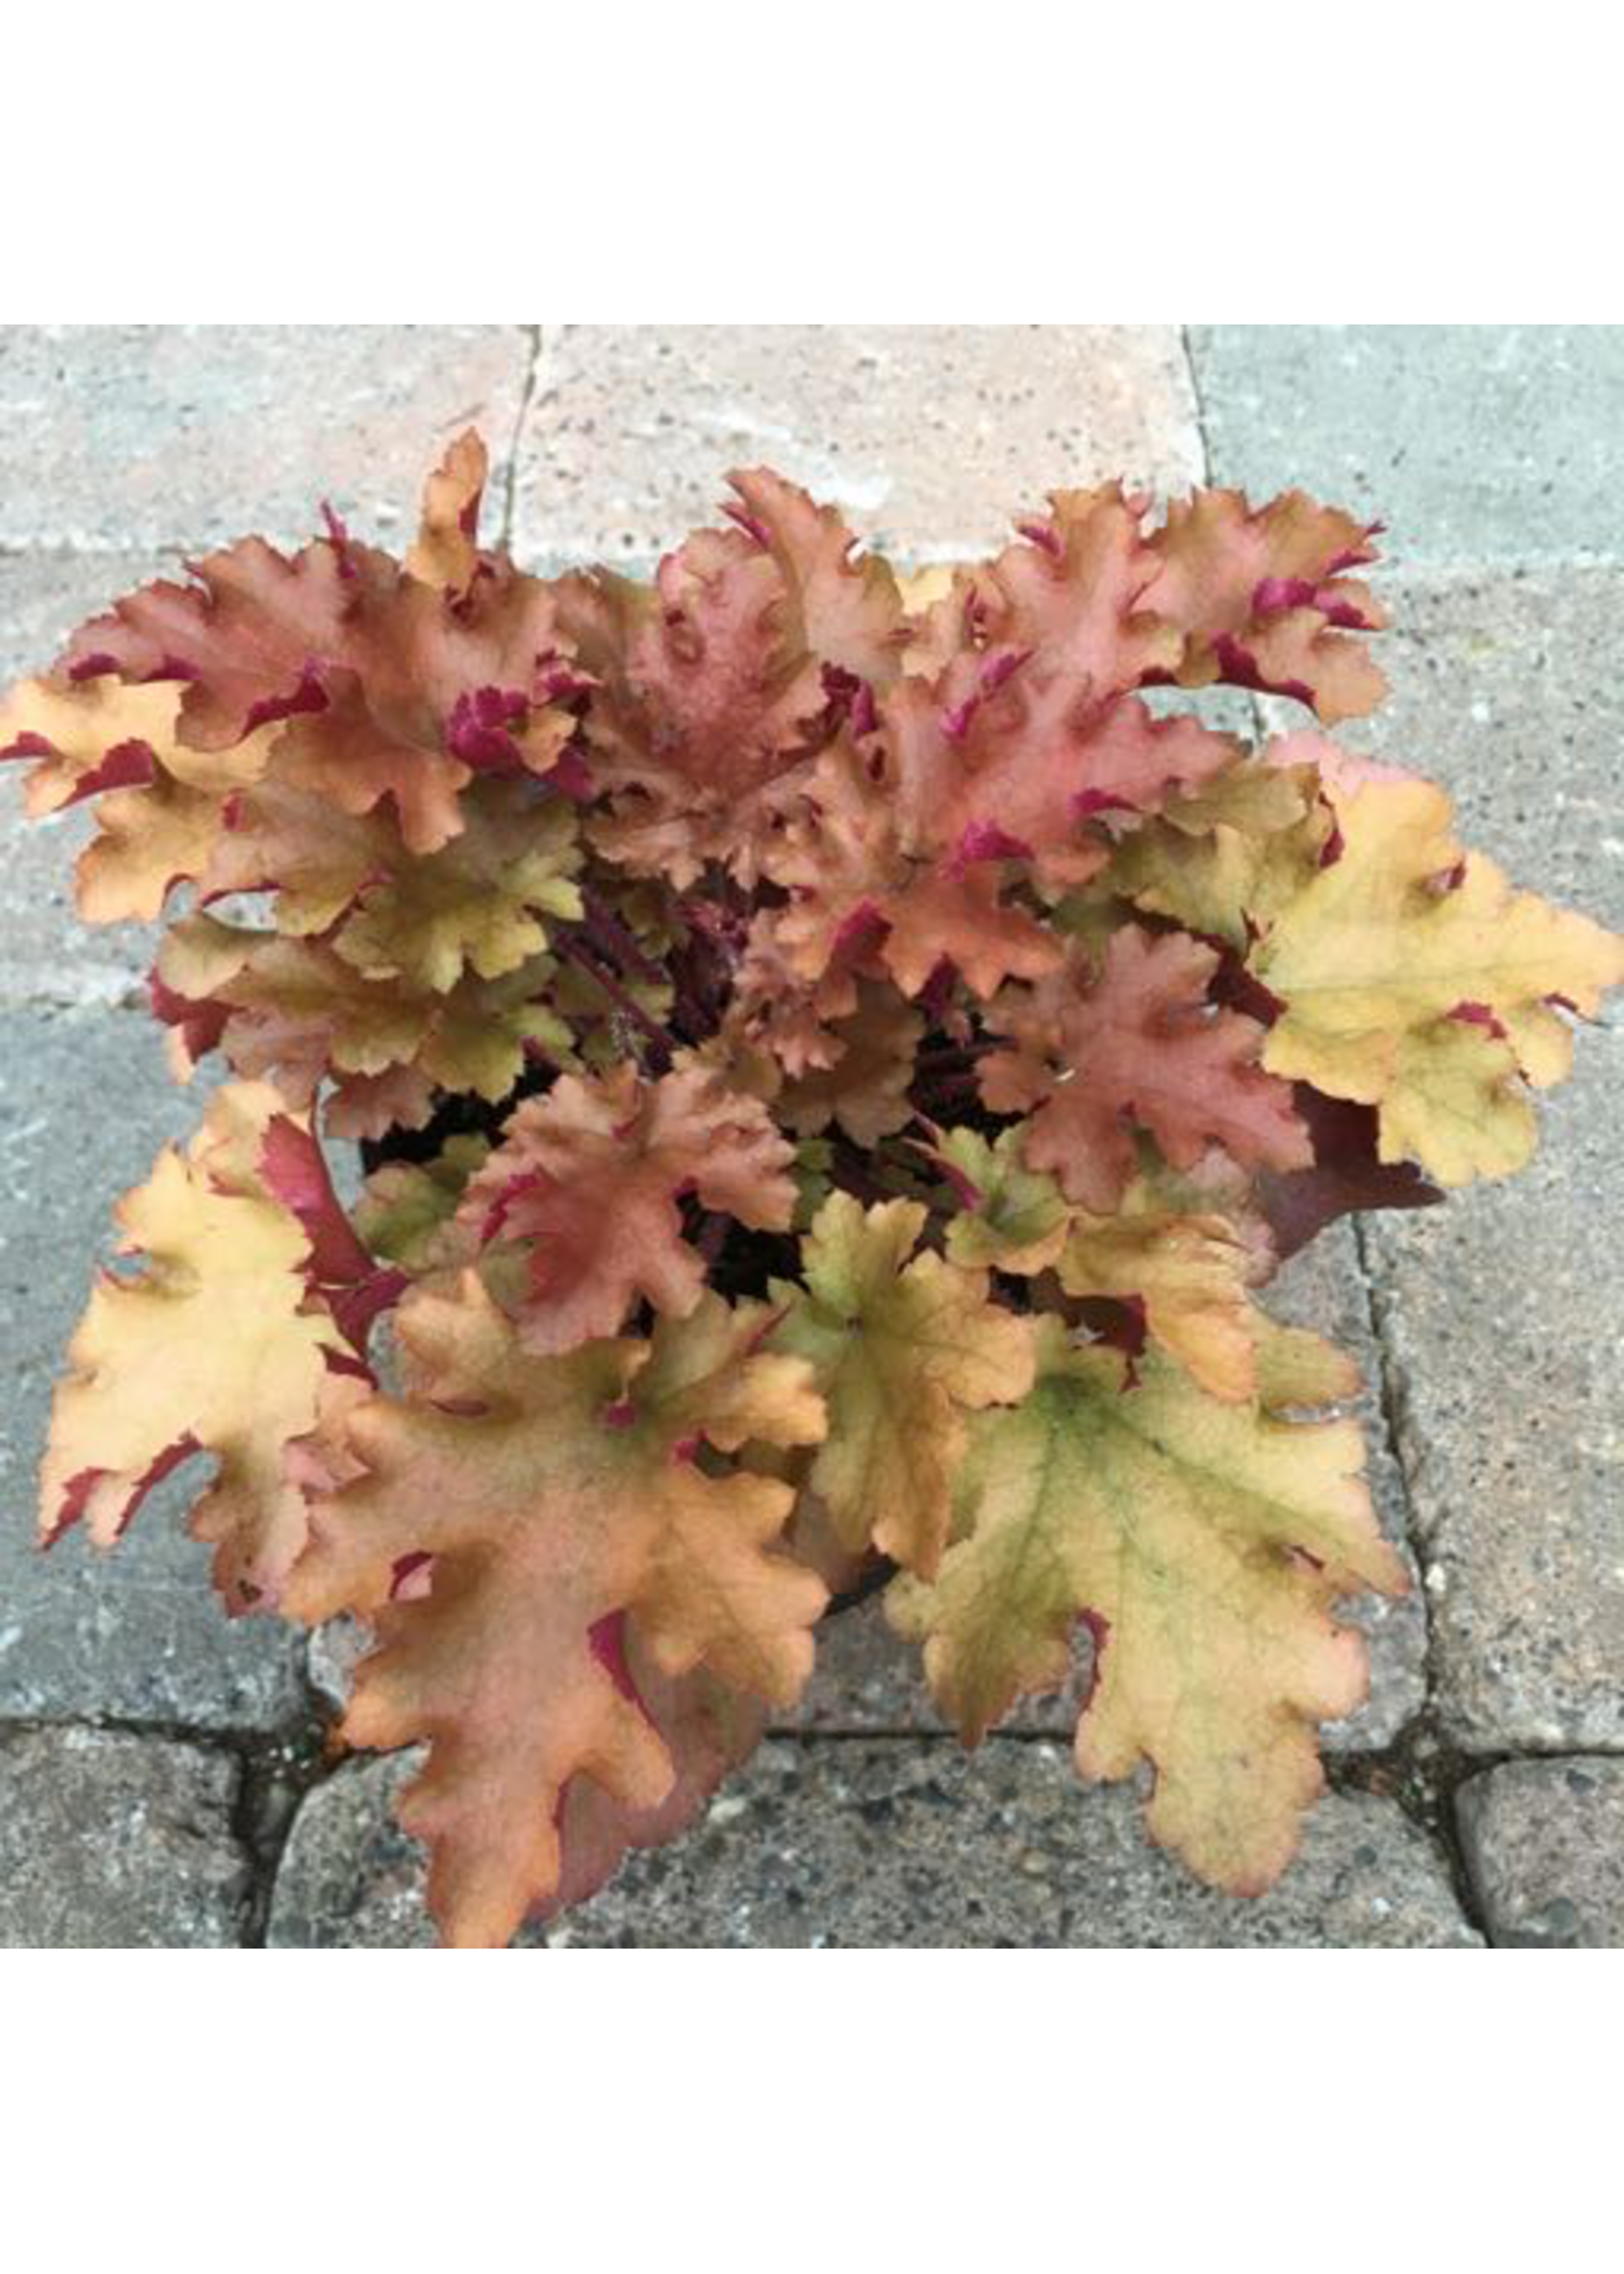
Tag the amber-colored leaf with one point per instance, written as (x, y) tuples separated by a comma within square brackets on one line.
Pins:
[(706, 1726), (102, 736), (146, 841), (704, 704), (1007, 750), (842, 610), (1414, 979), (866, 1090), (296, 842), (215, 1346), (1262, 599), (554, 1493), (776, 1013), (1190, 1274), (447, 550), (1206, 1543), (1074, 588), (1140, 1044), (853, 879), (902, 1350), (387, 689), (162, 806), (589, 1176)]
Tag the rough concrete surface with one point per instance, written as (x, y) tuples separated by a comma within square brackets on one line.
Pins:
[(112, 1841), (897, 1843), (1489, 1331), (1545, 1848)]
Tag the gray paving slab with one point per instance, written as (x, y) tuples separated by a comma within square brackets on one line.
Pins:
[(1544, 1843), (120, 438), (931, 439), (114, 1842), (1472, 443), (888, 1842)]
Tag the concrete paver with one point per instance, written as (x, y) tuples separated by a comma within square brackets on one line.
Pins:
[(897, 1843)]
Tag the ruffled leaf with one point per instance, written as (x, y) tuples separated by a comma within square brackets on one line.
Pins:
[(1205, 1546), (1414, 979), (903, 1351), (216, 1345), (588, 1179), (1262, 599), (1140, 1044), (555, 1495), (388, 690), (447, 550)]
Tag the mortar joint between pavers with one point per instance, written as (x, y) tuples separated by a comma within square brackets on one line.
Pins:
[(1192, 367), (1390, 1402), (536, 336)]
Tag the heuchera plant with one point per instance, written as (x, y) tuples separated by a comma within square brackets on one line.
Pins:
[(864, 1056)]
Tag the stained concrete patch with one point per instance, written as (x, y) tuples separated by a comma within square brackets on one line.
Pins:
[(115, 438)]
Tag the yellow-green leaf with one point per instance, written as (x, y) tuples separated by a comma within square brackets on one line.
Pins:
[(1207, 1545), (1399, 932), (478, 902), (902, 1350), (1014, 1218)]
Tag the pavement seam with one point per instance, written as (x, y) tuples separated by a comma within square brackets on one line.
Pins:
[(532, 390), (1422, 1768), (1187, 343)]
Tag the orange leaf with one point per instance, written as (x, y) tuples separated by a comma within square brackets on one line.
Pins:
[(1262, 600), (554, 1493), (591, 1174), (447, 550), (217, 1346), (1137, 1045)]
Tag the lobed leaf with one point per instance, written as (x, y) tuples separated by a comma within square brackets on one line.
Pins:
[(588, 1178), (217, 1345), (1206, 1544), (554, 1494), (1139, 1043), (902, 1350), (1412, 978)]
